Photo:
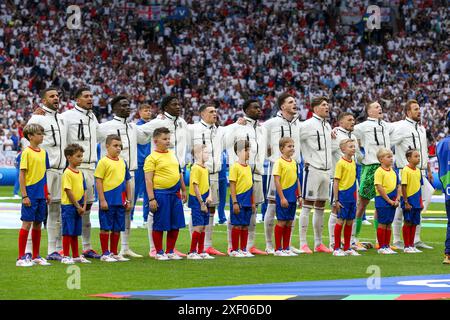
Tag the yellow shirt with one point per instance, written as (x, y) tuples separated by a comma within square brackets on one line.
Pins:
[(287, 171), (200, 176), (166, 168), (388, 179), (412, 178), (74, 181), (346, 173), (114, 174), (36, 163), (242, 175)]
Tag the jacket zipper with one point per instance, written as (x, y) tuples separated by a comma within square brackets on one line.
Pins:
[(318, 139), (326, 156), (60, 142)]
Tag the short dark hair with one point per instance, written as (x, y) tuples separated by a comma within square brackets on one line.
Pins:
[(110, 138), (166, 100), (80, 91), (203, 107), (409, 153), (344, 114), (71, 149), (241, 145), (160, 131), (282, 97), (247, 104), (315, 102), (44, 92), (117, 99)]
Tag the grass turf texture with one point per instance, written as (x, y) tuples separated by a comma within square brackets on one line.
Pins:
[(146, 274)]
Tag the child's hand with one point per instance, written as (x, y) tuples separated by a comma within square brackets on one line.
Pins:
[(49, 199), (236, 208), (339, 206), (153, 205), (407, 206), (127, 206), (183, 196), (396, 203), (103, 205), (300, 202), (284, 203), (26, 202), (81, 210), (203, 207)]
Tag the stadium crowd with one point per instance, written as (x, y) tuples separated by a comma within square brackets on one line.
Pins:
[(224, 52)]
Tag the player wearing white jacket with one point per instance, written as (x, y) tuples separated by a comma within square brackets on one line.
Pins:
[(130, 137), (285, 124), (256, 134), (410, 134), (54, 144), (315, 135)]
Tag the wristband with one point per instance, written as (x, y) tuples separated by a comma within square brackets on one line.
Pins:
[(151, 199), (236, 202), (24, 197)]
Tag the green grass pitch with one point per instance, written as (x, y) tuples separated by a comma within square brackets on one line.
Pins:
[(145, 273)]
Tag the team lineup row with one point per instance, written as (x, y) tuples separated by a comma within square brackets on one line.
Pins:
[(314, 142)]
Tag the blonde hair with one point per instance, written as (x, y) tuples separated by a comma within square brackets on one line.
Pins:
[(284, 141), (344, 142), (382, 153), (197, 151), (32, 129)]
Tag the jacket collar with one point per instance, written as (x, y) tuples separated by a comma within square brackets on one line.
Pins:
[(48, 110), (122, 120), (170, 117), (87, 113), (349, 133), (375, 120), (250, 121), (279, 114), (208, 126), (318, 118), (414, 123)]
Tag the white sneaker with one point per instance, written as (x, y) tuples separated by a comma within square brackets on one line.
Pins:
[(416, 250), (81, 259), (339, 253), (246, 254), (162, 257), (270, 250), (129, 253), (383, 251), (358, 246), (290, 253), (391, 251), (194, 256), (67, 260), (236, 254), (174, 256), (295, 250), (280, 253), (24, 262), (206, 256), (399, 245), (422, 245), (120, 258), (408, 250), (366, 223), (16, 196), (351, 252), (41, 261), (108, 258)]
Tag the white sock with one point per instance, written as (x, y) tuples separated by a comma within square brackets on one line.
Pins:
[(191, 227), (303, 225), (126, 234), (331, 225), (251, 232), (353, 240), (318, 226), (53, 226), (149, 231), (57, 207), (397, 225), (29, 247), (292, 230), (229, 227), (417, 234), (208, 231), (268, 224), (86, 230)]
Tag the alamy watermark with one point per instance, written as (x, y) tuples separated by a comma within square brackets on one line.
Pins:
[(74, 280), (74, 20), (374, 280), (374, 20)]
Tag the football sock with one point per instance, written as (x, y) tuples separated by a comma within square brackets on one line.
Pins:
[(417, 233), (229, 231), (303, 225), (331, 225), (387, 240), (337, 236), (412, 234), (318, 226), (172, 237), (380, 236), (292, 229), (86, 230), (397, 225), (36, 238), (406, 236), (358, 227), (53, 226), (66, 245), (287, 237), (269, 224), (235, 233), (278, 237), (126, 234), (23, 235), (244, 239), (201, 242), (347, 236), (209, 230), (157, 239), (74, 244), (251, 231), (150, 231), (114, 242), (104, 239), (194, 241)]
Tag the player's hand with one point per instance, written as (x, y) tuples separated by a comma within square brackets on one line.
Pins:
[(300, 202), (203, 207), (127, 206), (208, 200), (334, 133), (236, 208), (430, 177), (103, 205), (153, 205), (241, 121), (284, 203), (408, 206), (26, 202), (39, 111), (338, 206), (49, 199), (253, 208)]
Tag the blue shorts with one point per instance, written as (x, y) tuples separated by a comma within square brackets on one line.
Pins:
[(286, 214), (242, 218), (199, 218), (385, 215), (71, 221), (348, 212), (170, 213), (412, 215), (37, 212), (112, 219)]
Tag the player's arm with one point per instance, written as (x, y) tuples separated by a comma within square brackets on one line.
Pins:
[(283, 200), (150, 190), (101, 194), (299, 189), (25, 200)]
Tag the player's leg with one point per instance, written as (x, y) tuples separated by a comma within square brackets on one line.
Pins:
[(54, 215), (397, 229), (332, 218), (308, 203), (88, 252), (214, 187), (139, 187), (322, 193), (270, 211), (258, 197), (427, 194), (125, 245)]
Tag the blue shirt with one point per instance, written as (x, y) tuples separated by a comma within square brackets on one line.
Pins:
[(143, 150), (443, 154)]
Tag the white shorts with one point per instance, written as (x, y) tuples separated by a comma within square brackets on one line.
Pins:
[(214, 189), (54, 178), (258, 194), (90, 183), (316, 184)]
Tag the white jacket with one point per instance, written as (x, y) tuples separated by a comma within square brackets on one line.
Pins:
[(336, 152), (279, 127), (253, 132), (409, 134), (129, 135), (179, 134), (212, 137), (55, 136), (81, 127), (315, 137), (373, 134)]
